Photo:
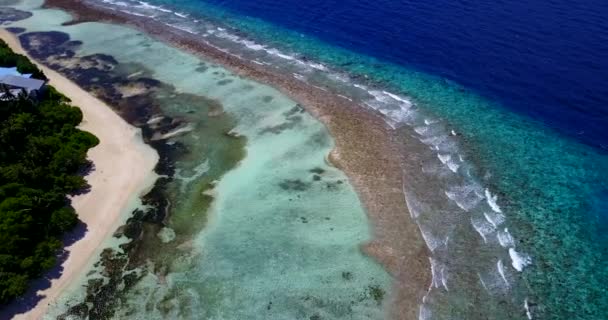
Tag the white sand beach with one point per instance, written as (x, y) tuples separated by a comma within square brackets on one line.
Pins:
[(123, 170)]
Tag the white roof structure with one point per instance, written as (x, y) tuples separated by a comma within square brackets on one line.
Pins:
[(20, 82)]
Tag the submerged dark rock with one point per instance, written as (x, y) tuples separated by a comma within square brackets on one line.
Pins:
[(8, 14)]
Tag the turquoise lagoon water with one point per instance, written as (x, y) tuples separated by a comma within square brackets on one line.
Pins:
[(512, 211), (526, 198), (529, 200), (281, 237)]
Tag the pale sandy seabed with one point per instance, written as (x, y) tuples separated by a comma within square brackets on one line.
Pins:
[(274, 233)]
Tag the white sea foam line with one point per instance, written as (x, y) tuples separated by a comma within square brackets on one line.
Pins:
[(495, 219), (424, 313), (422, 130), (413, 205), (453, 166), (527, 308), (345, 97), (482, 227), (501, 271), (151, 6), (135, 13), (505, 239), (491, 199), (186, 29), (483, 284), (446, 159), (395, 117), (519, 260), (117, 3), (299, 77), (431, 240), (318, 66), (465, 196), (280, 54), (444, 278)]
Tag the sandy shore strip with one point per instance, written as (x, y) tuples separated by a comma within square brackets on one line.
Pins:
[(366, 150), (123, 171)]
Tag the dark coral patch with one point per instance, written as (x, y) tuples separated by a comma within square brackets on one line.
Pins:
[(294, 185), (8, 14), (15, 30), (224, 82)]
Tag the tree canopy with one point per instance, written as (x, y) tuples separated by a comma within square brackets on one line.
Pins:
[(10, 59), (41, 154)]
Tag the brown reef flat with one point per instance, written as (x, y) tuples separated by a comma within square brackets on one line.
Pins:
[(365, 150)]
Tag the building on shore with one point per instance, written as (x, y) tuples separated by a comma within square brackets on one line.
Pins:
[(13, 84)]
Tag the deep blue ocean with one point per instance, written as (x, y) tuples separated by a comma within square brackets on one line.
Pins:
[(545, 59), (523, 86)]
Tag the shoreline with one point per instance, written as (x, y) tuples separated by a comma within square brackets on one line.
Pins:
[(397, 243), (102, 208)]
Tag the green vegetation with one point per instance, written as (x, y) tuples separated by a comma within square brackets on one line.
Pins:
[(41, 153), (10, 59)]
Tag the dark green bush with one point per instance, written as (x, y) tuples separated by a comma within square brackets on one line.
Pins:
[(41, 152)]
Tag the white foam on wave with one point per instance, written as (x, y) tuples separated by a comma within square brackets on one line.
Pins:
[(438, 274), (422, 130), (183, 28), (253, 45), (398, 98), (465, 197), (483, 283), (496, 219), (117, 3), (320, 88), (483, 227), (505, 239), (501, 270), (135, 13), (280, 54), (453, 166), (440, 142), (446, 159), (491, 199), (527, 308), (299, 76), (424, 313), (432, 241), (345, 97), (147, 5), (317, 66), (519, 260), (414, 206)]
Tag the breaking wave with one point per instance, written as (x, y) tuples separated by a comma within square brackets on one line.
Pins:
[(443, 194)]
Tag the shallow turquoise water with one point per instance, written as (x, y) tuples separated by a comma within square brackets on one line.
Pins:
[(551, 189), (281, 238), (476, 173)]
